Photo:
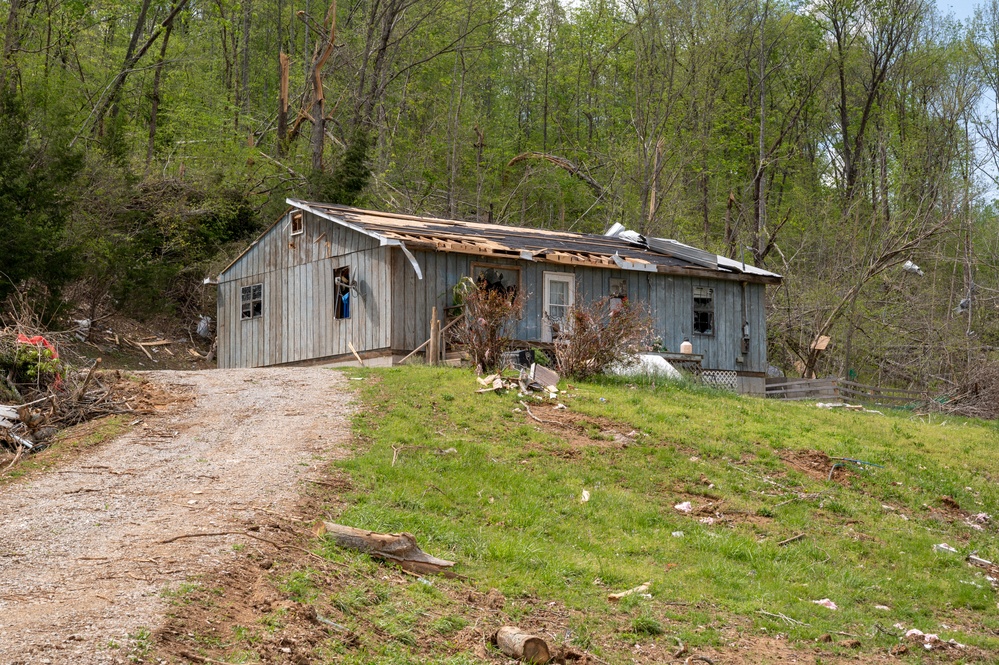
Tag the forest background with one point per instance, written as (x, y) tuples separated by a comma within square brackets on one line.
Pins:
[(144, 142)]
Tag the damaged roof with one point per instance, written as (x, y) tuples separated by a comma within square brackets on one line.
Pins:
[(631, 252)]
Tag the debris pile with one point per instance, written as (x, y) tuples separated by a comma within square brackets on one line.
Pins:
[(977, 397), (533, 379), (41, 394)]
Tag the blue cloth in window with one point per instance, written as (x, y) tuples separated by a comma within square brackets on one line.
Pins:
[(345, 304)]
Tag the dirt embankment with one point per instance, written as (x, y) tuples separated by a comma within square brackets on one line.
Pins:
[(83, 558)]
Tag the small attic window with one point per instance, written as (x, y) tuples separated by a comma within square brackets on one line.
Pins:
[(704, 310), (297, 224)]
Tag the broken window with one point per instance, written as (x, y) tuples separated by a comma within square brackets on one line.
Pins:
[(618, 294), (252, 301), (297, 224), (341, 282), (704, 310), (497, 278)]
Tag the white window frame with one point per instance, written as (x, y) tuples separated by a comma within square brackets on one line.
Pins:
[(549, 277), (250, 301), (301, 223)]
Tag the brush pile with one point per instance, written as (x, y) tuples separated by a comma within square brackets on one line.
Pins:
[(977, 397), (41, 394)]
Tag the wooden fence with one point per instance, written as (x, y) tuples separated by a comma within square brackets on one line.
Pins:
[(840, 390)]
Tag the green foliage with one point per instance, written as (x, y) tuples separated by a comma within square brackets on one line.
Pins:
[(31, 364), (346, 182), (35, 175)]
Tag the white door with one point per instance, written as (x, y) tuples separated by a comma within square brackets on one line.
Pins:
[(559, 295)]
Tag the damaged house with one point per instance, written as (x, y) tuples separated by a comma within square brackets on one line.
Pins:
[(326, 282)]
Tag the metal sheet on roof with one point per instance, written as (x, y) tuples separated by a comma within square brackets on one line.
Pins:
[(526, 243)]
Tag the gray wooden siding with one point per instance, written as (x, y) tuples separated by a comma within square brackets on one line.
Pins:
[(298, 297), (670, 299)]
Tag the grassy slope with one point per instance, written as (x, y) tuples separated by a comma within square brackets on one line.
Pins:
[(507, 508)]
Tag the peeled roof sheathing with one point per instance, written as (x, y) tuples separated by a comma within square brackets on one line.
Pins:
[(426, 233)]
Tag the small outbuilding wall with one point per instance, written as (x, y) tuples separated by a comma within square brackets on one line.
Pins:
[(297, 320)]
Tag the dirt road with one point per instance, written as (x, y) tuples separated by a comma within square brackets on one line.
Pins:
[(82, 567)]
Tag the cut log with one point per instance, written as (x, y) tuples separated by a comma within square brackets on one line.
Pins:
[(520, 645), (398, 547)]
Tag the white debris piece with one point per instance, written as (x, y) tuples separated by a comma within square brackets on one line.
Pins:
[(825, 602), (646, 364), (684, 507), (909, 266)]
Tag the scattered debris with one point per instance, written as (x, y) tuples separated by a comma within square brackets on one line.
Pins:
[(520, 645), (849, 407), (978, 521), (825, 602), (400, 548), (930, 641), (640, 589), (790, 540), (944, 547), (646, 364), (684, 507), (584, 497)]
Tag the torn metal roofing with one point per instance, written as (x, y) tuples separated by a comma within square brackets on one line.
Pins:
[(514, 242)]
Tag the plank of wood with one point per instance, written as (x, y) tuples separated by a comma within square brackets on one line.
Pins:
[(354, 351)]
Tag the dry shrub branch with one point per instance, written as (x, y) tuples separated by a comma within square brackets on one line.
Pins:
[(488, 318), (977, 397), (598, 336), (40, 393)]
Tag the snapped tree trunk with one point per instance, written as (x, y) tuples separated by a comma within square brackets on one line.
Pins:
[(282, 121), (319, 97), (398, 547)]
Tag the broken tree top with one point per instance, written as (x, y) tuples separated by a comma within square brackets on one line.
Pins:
[(627, 250)]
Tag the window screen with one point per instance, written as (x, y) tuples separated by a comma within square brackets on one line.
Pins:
[(704, 310), (341, 280), (252, 300)]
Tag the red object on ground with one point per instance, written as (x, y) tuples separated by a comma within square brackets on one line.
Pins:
[(41, 342), (38, 340)]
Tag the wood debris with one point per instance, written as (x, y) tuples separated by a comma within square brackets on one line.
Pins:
[(58, 395), (400, 548), (641, 588), (521, 645)]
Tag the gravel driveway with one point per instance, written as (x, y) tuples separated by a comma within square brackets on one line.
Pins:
[(82, 568)]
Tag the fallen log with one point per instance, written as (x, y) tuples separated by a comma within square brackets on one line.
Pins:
[(520, 645), (398, 547)]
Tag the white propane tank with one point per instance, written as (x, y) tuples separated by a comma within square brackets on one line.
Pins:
[(686, 346)]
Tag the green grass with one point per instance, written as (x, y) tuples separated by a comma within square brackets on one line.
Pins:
[(507, 508)]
